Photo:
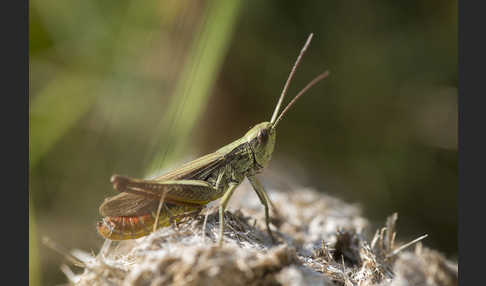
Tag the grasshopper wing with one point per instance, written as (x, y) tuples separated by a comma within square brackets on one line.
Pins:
[(197, 169), (140, 200), (126, 204), (142, 196)]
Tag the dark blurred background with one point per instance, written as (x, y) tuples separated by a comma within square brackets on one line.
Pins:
[(130, 87)]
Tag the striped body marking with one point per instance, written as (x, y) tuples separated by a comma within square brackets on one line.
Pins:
[(131, 227)]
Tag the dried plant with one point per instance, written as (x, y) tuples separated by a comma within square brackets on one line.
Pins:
[(321, 242)]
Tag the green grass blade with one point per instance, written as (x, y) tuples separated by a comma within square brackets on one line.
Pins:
[(199, 74)]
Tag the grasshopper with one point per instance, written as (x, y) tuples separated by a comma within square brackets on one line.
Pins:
[(145, 204)]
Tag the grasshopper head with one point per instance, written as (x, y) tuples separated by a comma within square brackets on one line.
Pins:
[(262, 141)]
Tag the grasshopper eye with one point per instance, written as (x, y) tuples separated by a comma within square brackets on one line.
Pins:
[(262, 135)]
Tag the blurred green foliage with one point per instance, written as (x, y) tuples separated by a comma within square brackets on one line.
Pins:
[(35, 276), (204, 61), (120, 87)]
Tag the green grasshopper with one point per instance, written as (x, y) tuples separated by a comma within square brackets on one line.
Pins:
[(145, 204)]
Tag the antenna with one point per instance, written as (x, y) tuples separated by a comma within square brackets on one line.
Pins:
[(309, 85), (291, 75)]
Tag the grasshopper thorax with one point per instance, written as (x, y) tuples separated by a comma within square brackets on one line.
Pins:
[(261, 139)]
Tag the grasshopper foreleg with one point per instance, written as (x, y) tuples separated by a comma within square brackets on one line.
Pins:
[(265, 200), (222, 206)]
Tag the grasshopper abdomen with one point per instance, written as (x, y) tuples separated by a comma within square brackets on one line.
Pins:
[(125, 227), (131, 227)]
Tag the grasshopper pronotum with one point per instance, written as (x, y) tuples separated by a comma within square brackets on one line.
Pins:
[(143, 205)]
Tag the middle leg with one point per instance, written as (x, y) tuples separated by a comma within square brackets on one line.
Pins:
[(222, 206)]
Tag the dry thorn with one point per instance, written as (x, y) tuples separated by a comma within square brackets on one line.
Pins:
[(375, 238), (396, 251), (59, 249), (69, 273)]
